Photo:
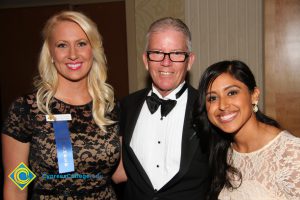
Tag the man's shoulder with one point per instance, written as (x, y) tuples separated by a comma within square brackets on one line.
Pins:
[(192, 91), (190, 87)]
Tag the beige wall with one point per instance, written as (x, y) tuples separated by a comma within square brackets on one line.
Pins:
[(221, 29), (140, 14), (226, 29)]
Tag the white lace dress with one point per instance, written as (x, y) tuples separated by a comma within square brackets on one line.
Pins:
[(271, 173)]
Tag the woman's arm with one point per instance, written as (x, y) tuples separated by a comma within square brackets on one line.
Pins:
[(13, 153), (119, 175)]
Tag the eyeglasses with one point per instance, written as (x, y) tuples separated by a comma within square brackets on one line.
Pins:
[(176, 56)]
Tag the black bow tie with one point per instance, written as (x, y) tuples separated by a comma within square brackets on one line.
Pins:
[(154, 102)]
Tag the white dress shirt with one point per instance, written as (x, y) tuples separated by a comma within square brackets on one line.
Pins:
[(157, 143)]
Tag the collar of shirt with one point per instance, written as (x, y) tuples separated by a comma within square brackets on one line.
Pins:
[(172, 95)]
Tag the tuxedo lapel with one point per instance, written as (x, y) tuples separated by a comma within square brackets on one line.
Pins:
[(189, 137), (132, 116), (190, 143)]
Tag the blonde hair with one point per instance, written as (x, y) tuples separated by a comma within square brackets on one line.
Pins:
[(102, 93)]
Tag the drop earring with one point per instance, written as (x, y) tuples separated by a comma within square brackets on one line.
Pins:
[(52, 61), (255, 107)]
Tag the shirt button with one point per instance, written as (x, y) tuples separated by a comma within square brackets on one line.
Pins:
[(157, 166), (158, 142)]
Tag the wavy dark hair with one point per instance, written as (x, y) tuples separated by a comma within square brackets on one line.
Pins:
[(219, 142)]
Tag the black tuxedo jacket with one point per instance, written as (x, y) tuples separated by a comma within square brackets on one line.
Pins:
[(192, 180)]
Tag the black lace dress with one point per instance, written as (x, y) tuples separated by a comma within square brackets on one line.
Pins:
[(96, 153)]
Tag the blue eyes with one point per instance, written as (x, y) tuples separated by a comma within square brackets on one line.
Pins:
[(65, 45), (82, 44), (61, 45)]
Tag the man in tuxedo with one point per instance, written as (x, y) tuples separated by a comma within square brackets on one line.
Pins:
[(162, 155)]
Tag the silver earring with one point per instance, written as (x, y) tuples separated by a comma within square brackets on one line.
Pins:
[(255, 107), (52, 61)]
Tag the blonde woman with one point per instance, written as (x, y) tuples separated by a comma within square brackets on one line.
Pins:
[(66, 131)]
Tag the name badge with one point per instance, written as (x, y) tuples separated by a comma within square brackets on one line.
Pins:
[(60, 117)]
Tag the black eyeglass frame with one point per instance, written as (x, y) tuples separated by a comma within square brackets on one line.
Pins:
[(186, 55)]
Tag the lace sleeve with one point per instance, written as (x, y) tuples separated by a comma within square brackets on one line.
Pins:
[(16, 123), (290, 174)]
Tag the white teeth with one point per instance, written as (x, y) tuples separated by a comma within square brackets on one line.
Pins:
[(227, 117), (165, 73), (73, 66)]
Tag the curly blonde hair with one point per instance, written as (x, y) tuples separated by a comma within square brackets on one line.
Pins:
[(46, 83)]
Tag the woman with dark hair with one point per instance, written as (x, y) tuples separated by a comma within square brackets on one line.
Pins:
[(250, 156)]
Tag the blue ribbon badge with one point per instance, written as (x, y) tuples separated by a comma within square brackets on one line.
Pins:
[(63, 142)]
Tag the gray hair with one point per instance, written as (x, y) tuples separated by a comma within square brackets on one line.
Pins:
[(170, 23)]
